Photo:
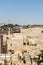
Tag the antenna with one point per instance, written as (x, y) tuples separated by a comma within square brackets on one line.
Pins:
[(9, 21)]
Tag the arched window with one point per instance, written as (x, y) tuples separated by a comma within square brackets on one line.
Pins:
[(28, 43), (24, 43)]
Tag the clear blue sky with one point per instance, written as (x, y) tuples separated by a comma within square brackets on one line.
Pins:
[(21, 11)]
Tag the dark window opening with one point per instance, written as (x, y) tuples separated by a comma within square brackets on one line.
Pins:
[(24, 43), (25, 51), (7, 37), (24, 61), (10, 44), (35, 44), (27, 43), (42, 31)]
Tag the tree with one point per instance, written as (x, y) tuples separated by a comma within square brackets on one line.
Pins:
[(40, 58)]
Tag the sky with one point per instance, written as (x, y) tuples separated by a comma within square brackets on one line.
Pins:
[(21, 11)]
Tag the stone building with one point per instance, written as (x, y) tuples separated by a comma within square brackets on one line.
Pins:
[(24, 43)]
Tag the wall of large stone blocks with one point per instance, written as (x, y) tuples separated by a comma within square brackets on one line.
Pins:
[(35, 31), (15, 42)]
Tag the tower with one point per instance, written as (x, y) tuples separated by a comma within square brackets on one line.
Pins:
[(3, 46)]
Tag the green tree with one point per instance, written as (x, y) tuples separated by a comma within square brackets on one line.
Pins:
[(40, 58)]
